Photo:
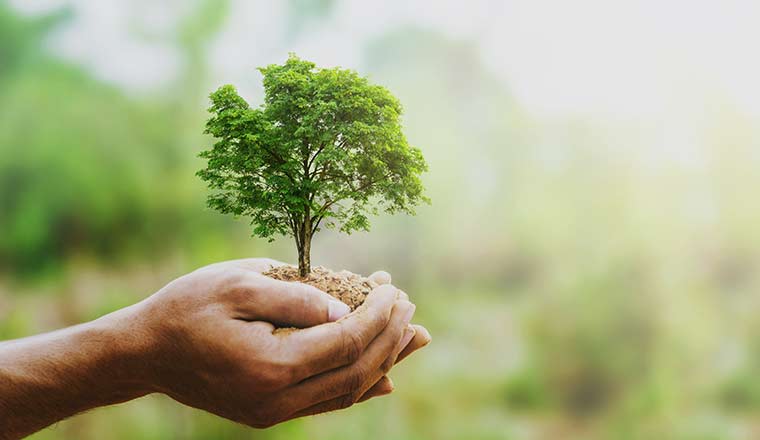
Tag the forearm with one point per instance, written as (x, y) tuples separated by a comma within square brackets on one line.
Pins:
[(46, 378)]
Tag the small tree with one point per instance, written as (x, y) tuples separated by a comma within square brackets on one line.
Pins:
[(325, 149)]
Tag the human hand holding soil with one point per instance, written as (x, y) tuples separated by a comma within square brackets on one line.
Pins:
[(208, 340), (225, 356)]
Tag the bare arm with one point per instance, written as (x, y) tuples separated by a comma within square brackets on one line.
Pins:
[(49, 377), (207, 340)]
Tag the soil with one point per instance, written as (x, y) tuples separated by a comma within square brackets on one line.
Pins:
[(346, 286)]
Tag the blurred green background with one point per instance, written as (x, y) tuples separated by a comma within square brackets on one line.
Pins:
[(589, 267)]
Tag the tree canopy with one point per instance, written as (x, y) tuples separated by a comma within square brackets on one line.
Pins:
[(325, 149)]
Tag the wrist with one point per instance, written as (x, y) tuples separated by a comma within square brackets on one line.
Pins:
[(49, 377), (128, 349)]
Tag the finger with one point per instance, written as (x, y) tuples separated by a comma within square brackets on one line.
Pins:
[(336, 404), (355, 379), (333, 345), (383, 387), (421, 338), (260, 298), (380, 277), (403, 295)]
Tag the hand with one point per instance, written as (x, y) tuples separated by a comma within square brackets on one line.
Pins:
[(214, 346), (207, 339)]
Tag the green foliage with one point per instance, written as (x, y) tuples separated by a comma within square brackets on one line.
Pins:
[(526, 391), (84, 169), (20, 38), (325, 149)]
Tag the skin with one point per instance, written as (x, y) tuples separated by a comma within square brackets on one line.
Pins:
[(207, 340)]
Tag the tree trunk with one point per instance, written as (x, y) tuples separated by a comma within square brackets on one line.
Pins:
[(304, 259), (304, 249)]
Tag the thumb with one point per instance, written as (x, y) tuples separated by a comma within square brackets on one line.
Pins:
[(293, 304)]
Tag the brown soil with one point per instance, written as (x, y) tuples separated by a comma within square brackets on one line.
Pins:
[(347, 286)]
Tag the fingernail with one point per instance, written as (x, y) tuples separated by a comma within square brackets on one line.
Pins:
[(405, 339), (409, 313), (425, 334), (337, 310), (390, 387), (408, 335)]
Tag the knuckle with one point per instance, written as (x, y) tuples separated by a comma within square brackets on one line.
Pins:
[(381, 320), (356, 378), (387, 365), (233, 283), (310, 301), (346, 401), (232, 276), (353, 345), (388, 291)]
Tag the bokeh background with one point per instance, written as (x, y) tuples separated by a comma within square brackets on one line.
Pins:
[(589, 267)]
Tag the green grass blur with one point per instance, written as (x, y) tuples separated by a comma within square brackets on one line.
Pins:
[(574, 287)]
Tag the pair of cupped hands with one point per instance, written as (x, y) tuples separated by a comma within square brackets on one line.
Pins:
[(210, 342)]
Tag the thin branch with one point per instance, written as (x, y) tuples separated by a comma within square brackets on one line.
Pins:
[(314, 157), (329, 203), (316, 224), (282, 162), (326, 167)]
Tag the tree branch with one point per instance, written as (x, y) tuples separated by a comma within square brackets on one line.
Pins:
[(315, 224), (329, 203), (314, 157), (321, 148), (282, 162)]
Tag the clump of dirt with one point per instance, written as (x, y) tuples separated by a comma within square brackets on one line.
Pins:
[(346, 286)]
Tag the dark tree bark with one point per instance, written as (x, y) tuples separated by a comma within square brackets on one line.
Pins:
[(304, 247), (304, 259)]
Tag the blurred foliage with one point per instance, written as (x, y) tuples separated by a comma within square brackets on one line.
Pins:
[(97, 172), (575, 288)]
